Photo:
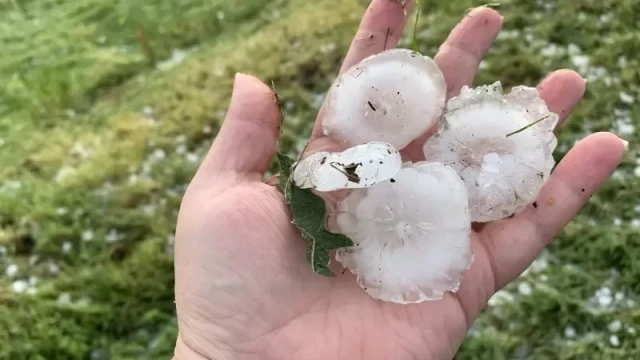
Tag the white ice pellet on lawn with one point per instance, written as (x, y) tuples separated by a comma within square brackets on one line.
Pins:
[(192, 157), (626, 98), (412, 234), (19, 286), (524, 288), (501, 297), (615, 326), (53, 268), (113, 236), (614, 340), (360, 166), (394, 97), (604, 297), (569, 332), (64, 298), (503, 168), (87, 235), (177, 56), (11, 271), (158, 154), (67, 247)]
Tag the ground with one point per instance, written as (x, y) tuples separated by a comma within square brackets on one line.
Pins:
[(106, 108)]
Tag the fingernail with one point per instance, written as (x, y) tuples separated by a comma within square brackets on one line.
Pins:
[(625, 143), (238, 76)]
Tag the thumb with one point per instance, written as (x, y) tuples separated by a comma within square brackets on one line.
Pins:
[(247, 140)]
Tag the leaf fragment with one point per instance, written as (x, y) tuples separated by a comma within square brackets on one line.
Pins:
[(308, 213)]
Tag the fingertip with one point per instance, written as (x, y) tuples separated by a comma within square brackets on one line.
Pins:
[(615, 145), (460, 55), (247, 139), (562, 90), (246, 84), (476, 32), (565, 79)]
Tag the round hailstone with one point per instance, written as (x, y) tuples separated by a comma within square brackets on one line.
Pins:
[(485, 138), (394, 96), (412, 234), (358, 167)]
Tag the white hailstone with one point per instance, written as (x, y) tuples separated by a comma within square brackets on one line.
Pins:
[(503, 168), (67, 247), (615, 326), (614, 340), (19, 286), (569, 332), (358, 167), (394, 96), (412, 234), (87, 235), (524, 288), (54, 268), (64, 298), (12, 270)]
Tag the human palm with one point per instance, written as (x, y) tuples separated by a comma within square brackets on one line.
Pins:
[(243, 287)]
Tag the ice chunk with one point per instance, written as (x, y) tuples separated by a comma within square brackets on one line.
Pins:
[(394, 96), (358, 167), (412, 234), (503, 168)]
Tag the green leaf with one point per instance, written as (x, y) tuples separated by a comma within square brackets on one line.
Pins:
[(309, 216)]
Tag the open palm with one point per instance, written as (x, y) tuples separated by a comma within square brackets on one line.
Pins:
[(243, 288)]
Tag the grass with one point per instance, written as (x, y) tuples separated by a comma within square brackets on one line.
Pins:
[(106, 108)]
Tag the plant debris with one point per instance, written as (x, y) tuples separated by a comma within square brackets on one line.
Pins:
[(308, 215)]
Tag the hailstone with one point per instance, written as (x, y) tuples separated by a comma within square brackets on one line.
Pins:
[(394, 96), (412, 234), (360, 166), (484, 137)]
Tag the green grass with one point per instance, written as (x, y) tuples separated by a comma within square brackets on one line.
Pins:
[(100, 137)]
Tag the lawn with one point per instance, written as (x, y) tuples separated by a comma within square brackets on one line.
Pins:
[(107, 107)]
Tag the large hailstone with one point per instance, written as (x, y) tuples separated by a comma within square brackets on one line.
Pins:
[(412, 234), (503, 168), (394, 96), (358, 167)]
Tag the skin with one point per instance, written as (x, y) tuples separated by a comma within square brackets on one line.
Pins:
[(243, 287)]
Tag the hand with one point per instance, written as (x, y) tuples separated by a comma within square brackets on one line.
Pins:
[(243, 287)]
